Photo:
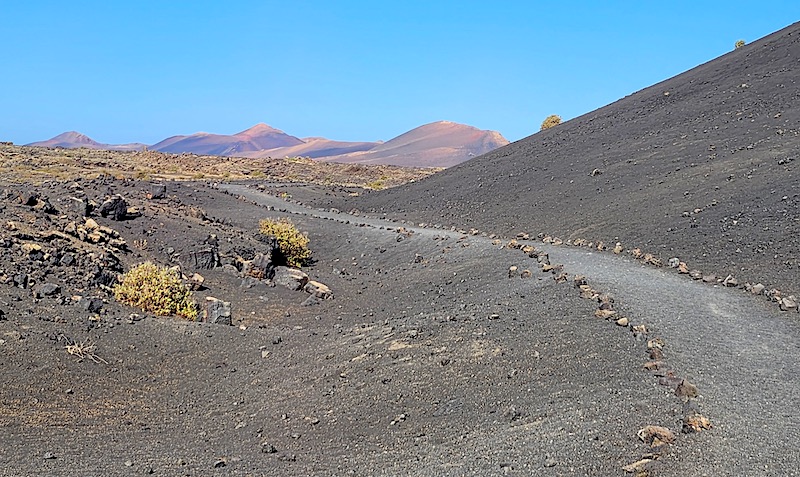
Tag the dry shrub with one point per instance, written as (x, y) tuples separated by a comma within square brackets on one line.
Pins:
[(292, 243), (550, 121), (157, 290)]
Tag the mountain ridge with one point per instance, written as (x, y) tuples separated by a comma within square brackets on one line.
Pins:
[(437, 144)]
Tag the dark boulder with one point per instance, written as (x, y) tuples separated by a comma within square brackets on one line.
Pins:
[(47, 289), (115, 207)]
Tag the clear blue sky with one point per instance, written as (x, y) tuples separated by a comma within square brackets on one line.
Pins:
[(139, 71)]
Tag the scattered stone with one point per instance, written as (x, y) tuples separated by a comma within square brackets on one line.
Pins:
[(79, 207), (543, 258), (579, 281), (656, 436), (157, 191), (47, 289), (655, 354), (550, 462), (91, 304), (653, 365), (756, 289), (418, 258), (204, 259), (618, 248), (623, 321), (262, 266), (637, 253), (730, 281), (196, 282), (196, 213), (48, 456), (561, 277), (709, 278), (788, 303), (696, 275), (317, 289), (695, 423), (686, 390), (512, 271), (655, 343), (21, 280), (604, 314), (587, 293), (670, 380), (653, 260), (268, 448), (525, 274), (674, 262), (218, 311), (220, 463), (637, 466), (114, 207), (683, 269)]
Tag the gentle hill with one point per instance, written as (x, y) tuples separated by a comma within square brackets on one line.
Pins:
[(260, 136), (703, 166), (438, 144), (314, 147), (74, 140)]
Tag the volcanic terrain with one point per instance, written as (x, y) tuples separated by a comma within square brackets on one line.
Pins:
[(615, 295)]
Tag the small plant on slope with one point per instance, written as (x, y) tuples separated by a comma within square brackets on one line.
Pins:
[(292, 243), (157, 290), (739, 44), (550, 121)]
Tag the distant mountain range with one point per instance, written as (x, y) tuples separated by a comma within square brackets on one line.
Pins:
[(438, 144)]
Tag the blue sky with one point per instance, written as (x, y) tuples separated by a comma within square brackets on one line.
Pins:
[(139, 71)]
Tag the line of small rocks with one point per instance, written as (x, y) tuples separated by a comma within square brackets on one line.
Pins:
[(657, 438), (785, 302)]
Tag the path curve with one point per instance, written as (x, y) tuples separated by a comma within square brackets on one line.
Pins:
[(740, 351)]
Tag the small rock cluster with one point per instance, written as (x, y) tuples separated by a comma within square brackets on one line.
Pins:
[(786, 302)]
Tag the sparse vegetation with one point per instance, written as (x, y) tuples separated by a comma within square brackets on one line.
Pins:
[(292, 243), (550, 121), (157, 290), (378, 184), (739, 44)]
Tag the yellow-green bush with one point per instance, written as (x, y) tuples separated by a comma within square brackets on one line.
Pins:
[(292, 243), (739, 44), (157, 290), (550, 121)]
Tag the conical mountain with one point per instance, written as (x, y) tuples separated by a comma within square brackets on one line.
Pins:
[(702, 166), (437, 144), (74, 139)]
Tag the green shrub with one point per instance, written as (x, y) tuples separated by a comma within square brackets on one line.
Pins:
[(292, 243), (157, 290), (739, 44), (550, 121)]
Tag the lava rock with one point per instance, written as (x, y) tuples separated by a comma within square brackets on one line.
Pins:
[(218, 311), (47, 289), (115, 207), (291, 278)]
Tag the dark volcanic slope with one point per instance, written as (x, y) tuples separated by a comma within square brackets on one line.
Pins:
[(701, 166)]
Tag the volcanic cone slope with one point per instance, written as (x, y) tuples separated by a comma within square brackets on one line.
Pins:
[(701, 166)]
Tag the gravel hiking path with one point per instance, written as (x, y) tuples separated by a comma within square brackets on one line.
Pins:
[(740, 351)]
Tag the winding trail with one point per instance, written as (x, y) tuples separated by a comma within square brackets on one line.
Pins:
[(739, 350)]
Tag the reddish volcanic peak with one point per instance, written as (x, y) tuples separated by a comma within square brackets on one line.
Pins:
[(259, 129)]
